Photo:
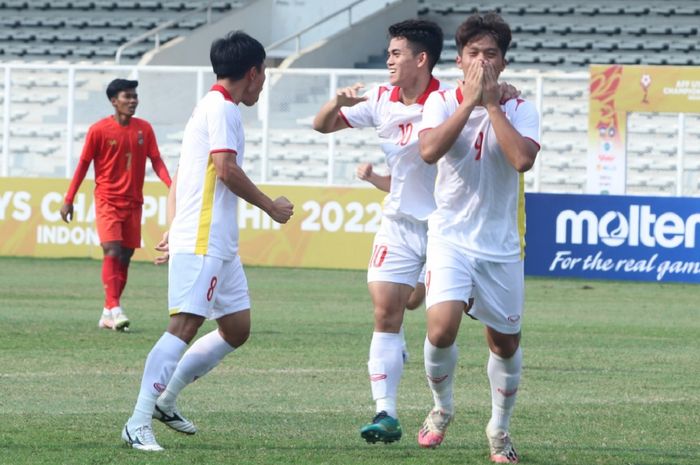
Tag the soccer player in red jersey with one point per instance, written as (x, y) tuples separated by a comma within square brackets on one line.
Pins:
[(118, 145)]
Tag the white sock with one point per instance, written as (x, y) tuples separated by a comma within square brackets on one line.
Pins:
[(504, 376), (404, 347), (200, 358), (385, 369), (440, 367), (160, 364)]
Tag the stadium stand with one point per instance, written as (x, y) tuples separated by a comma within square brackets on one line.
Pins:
[(549, 36), (91, 30), (570, 34)]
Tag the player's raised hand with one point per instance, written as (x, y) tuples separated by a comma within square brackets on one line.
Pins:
[(508, 91), (67, 212), (349, 96), (364, 171), (163, 246), (282, 209), (491, 91), (472, 86)]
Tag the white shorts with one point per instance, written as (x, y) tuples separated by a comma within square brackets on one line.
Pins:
[(398, 252), (421, 276), (206, 286), (498, 288)]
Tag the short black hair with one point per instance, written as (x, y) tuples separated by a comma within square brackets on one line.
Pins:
[(422, 36), (233, 55), (477, 26), (119, 85)]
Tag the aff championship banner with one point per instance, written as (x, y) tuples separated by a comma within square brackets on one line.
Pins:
[(618, 90), (613, 237), (331, 227)]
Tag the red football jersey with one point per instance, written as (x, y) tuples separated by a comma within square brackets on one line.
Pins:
[(119, 153)]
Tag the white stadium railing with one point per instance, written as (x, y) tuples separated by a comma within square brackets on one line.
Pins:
[(46, 110)]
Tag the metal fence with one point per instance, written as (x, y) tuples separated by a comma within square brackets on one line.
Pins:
[(47, 109)]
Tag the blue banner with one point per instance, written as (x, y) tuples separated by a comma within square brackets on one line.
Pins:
[(613, 237)]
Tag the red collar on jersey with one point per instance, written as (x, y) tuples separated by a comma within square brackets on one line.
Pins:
[(433, 85), (224, 92)]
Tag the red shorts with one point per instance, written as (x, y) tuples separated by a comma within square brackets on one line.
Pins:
[(120, 224)]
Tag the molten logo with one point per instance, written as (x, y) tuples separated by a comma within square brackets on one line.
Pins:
[(637, 227), (159, 387), (507, 393), (437, 380), (377, 377)]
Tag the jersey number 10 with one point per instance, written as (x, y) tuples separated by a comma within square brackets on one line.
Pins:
[(406, 131)]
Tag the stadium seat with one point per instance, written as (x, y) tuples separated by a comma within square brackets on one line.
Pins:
[(636, 9), (682, 45), (631, 44), (609, 29), (628, 59), (35, 22), (679, 60), (664, 9), (561, 9), (690, 10), (605, 45), (636, 29)]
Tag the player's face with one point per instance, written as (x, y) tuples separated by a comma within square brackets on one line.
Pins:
[(125, 102), (255, 86), (483, 49), (402, 63)]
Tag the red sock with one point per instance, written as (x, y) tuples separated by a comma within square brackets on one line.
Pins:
[(123, 273), (110, 280)]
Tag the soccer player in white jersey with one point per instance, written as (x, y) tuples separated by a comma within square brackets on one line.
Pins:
[(394, 109), (206, 278), (365, 172), (475, 236)]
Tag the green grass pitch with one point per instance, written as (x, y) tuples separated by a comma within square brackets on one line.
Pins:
[(611, 374)]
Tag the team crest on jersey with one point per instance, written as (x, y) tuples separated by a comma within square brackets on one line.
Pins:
[(140, 137), (112, 142)]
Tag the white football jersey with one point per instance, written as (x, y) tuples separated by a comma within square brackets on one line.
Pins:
[(480, 197), (412, 180), (206, 211)]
